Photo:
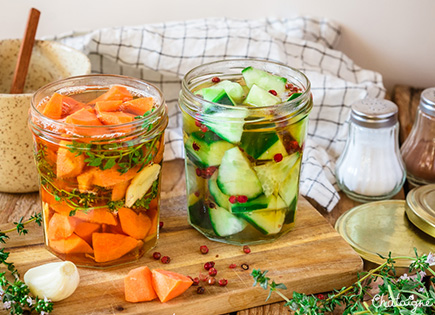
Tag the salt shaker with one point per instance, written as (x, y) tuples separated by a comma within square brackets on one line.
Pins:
[(370, 167), (418, 150)]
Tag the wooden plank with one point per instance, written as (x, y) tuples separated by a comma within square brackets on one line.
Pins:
[(311, 258)]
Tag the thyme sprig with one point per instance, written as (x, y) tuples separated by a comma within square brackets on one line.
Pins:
[(15, 294), (394, 295)]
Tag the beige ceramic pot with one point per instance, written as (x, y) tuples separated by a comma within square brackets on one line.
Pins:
[(50, 62)]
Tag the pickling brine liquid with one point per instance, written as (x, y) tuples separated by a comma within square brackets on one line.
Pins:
[(243, 154), (98, 151)]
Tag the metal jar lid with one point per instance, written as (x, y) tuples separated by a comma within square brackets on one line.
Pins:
[(420, 208), (381, 227), (427, 101), (374, 113)]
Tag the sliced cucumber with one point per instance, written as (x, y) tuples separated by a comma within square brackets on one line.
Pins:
[(258, 96), (299, 130), (227, 124), (236, 176), (272, 174), (289, 188), (225, 223), (233, 89), (206, 148), (220, 98), (290, 216), (266, 221), (219, 197), (262, 145), (293, 96), (261, 202), (264, 80), (198, 215), (194, 183)]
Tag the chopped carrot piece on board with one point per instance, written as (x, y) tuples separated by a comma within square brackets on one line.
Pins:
[(169, 285), (138, 285)]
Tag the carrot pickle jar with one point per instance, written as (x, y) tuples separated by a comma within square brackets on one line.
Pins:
[(98, 146), (244, 126)]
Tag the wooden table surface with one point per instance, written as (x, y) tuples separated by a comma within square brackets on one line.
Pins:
[(15, 206)]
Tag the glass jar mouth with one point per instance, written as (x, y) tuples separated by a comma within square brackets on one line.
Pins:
[(81, 83), (221, 68)]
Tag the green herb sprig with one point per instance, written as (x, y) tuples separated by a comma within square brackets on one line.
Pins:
[(396, 295), (15, 294)]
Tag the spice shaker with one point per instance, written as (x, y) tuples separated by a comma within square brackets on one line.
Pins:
[(418, 150), (370, 167)]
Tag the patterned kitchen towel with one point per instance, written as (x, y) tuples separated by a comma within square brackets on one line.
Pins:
[(162, 53)]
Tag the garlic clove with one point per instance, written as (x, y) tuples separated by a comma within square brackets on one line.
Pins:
[(54, 281)]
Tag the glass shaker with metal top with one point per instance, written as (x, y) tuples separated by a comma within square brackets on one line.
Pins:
[(418, 150), (370, 167)]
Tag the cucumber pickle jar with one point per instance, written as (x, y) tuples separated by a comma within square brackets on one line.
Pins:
[(98, 146), (244, 128)]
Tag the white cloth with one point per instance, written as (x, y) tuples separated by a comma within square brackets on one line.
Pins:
[(162, 53)]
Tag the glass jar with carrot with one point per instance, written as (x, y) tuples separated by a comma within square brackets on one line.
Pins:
[(98, 144)]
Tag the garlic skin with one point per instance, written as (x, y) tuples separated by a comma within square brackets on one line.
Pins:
[(54, 281)]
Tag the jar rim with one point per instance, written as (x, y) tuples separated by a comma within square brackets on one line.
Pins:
[(300, 100), (58, 85)]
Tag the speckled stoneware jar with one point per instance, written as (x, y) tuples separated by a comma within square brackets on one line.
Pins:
[(50, 62)]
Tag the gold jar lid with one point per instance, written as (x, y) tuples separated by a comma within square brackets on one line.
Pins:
[(420, 208), (381, 227)]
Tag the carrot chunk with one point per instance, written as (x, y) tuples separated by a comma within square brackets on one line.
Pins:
[(168, 284), (107, 106), (111, 176), (53, 108), (118, 191), (60, 227), (68, 163), (108, 246), (71, 245), (135, 225), (138, 106), (138, 285), (116, 92), (85, 230), (115, 118), (84, 180), (83, 117), (101, 215)]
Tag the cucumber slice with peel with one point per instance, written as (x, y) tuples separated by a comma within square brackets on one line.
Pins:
[(233, 89), (225, 223), (264, 79), (262, 145), (272, 174), (289, 188), (259, 203), (206, 148), (260, 97), (219, 197), (236, 176), (227, 124)]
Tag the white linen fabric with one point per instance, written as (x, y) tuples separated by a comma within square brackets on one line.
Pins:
[(162, 53)]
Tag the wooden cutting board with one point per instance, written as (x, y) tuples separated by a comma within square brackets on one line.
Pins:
[(312, 258)]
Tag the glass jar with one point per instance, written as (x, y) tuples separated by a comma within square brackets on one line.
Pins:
[(370, 167), (243, 161), (418, 150), (98, 145)]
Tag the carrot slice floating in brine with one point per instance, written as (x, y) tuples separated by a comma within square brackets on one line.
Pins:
[(69, 164), (138, 285), (111, 176), (108, 246), (53, 108), (107, 106), (138, 106), (115, 93), (60, 227), (118, 191), (71, 245), (169, 285), (133, 224), (84, 117), (100, 215), (86, 229), (115, 118)]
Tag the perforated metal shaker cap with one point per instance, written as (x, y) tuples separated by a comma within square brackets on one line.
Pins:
[(374, 113), (427, 101)]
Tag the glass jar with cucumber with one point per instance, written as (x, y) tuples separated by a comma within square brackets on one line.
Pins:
[(245, 124)]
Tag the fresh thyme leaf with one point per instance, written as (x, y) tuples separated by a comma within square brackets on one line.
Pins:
[(15, 295)]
